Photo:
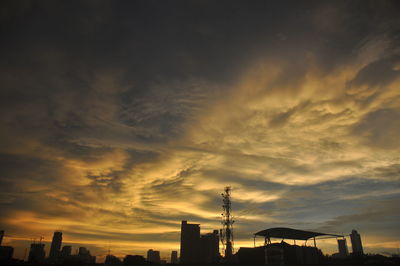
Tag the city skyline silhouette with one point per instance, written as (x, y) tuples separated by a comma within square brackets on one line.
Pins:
[(121, 120)]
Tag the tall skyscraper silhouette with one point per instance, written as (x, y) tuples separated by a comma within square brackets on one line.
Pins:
[(356, 244), (174, 257), (190, 243), (55, 245)]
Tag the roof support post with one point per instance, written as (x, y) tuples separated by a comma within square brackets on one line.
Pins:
[(315, 243)]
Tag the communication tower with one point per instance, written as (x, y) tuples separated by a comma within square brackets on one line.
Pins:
[(226, 233)]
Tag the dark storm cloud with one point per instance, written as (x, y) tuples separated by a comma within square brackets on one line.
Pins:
[(83, 40)]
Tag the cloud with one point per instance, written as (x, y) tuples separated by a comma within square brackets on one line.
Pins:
[(120, 120), (380, 128)]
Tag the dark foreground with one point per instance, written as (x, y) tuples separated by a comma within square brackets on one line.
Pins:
[(369, 260)]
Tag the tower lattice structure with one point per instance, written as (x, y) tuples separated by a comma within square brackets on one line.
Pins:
[(226, 233)]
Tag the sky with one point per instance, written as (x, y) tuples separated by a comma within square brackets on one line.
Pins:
[(119, 119)]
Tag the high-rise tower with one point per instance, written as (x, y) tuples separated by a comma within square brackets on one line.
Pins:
[(190, 243), (356, 244), (227, 222), (174, 257), (55, 245)]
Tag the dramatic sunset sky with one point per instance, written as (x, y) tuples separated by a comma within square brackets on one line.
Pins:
[(119, 119)]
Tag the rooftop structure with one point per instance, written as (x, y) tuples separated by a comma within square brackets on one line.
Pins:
[(290, 233)]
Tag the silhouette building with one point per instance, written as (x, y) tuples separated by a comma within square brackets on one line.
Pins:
[(342, 246), (133, 260), (209, 247), (196, 248), (6, 253), (112, 261), (36, 253), (85, 256), (356, 244), (153, 256), (55, 245), (1, 236), (190, 242), (66, 251), (174, 257)]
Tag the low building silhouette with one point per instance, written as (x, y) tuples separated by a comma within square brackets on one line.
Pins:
[(112, 261), (36, 253), (6, 253), (66, 251), (283, 253), (342, 246), (85, 256), (280, 254), (153, 256), (133, 260)]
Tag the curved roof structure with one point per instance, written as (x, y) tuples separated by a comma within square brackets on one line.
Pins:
[(289, 233)]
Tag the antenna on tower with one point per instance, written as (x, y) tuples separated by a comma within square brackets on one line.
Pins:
[(226, 233)]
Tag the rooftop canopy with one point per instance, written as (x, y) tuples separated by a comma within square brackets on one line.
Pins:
[(289, 233)]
